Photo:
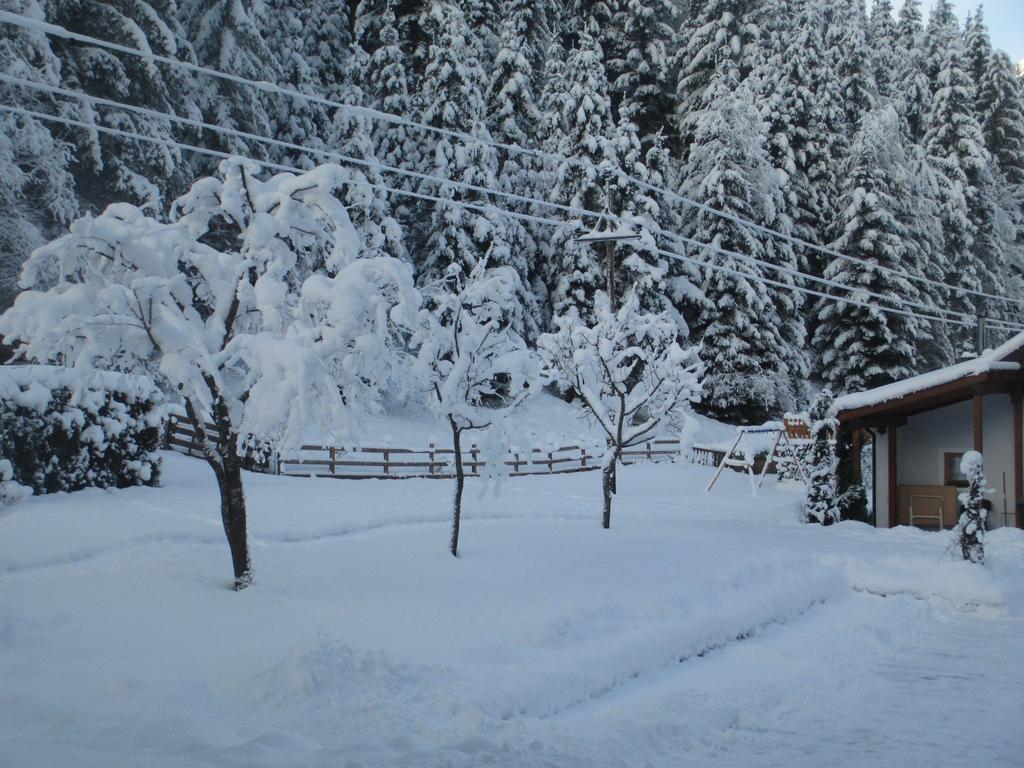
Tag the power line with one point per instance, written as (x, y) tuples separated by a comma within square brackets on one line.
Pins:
[(574, 210), (475, 206), (58, 31)]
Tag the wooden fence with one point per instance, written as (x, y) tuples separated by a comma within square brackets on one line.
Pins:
[(358, 463)]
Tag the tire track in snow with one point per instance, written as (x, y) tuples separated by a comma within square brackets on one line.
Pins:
[(749, 633)]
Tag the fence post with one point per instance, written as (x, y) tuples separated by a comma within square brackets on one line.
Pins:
[(430, 468), (473, 453), (333, 469), (551, 463), (648, 450), (386, 459), (515, 463), (583, 457)]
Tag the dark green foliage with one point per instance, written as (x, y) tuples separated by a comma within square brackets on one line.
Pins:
[(97, 439)]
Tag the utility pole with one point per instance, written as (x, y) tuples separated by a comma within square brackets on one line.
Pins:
[(605, 234)]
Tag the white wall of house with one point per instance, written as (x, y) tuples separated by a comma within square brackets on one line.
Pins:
[(923, 441)]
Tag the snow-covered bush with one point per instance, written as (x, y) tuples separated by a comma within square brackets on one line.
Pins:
[(475, 365), (248, 305), (61, 431), (11, 491), (970, 529), (822, 504), (628, 371)]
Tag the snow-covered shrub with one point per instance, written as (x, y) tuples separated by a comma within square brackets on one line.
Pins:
[(11, 491), (629, 372), (970, 529), (476, 366), (822, 504), (62, 431), (247, 302)]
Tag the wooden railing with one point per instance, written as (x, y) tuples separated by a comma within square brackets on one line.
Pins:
[(357, 463)]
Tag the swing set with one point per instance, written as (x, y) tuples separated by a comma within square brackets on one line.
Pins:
[(791, 443)]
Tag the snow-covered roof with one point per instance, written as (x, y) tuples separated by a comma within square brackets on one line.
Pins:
[(988, 361)]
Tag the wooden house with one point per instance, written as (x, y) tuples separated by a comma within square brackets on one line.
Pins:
[(920, 427)]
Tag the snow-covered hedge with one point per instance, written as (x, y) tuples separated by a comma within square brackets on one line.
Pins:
[(61, 431)]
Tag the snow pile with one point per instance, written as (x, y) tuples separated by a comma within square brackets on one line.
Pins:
[(63, 430)]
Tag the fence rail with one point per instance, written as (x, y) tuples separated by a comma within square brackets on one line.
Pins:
[(357, 463)]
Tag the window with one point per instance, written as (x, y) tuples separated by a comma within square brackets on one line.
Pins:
[(953, 475)]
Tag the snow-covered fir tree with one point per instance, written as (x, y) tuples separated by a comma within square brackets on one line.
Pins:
[(822, 503), (37, 189), (743, 346), (861, 347), (453, 96), (848, 57), (956, 146), (914, 87), (228, 35), (970, 529), (575, 270), (396, 144), (883, 40)]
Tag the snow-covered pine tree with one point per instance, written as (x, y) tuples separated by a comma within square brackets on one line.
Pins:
[(860, 347), (883, 42), (743, 345), (37, 191), (106, 167), (249, 307), (921, 214), (228, 35), (326, 46), (956, 146), (914, 92), (940, 35), (977, 47), (629, 372), (1000, 100), (637, 262), (822, 503), (786, 84), (848, 56), (452, 89), (513, 117), (476, 367), (295, 120), (576, 271), (368, 208), (641, 83), (389, 91), (970, 529), (715, 31)]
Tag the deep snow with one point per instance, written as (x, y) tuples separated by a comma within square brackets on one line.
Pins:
[(701, 630)]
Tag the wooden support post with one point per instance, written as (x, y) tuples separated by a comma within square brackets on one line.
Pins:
[(893, 494), (386, 461), (979, 424), (332, 460), (1018, 455), (858, 441)]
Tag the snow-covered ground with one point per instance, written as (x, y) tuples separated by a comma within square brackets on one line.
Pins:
[(703, 630)]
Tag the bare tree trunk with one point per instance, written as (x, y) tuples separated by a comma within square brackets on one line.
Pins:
[(232, 512), (608, 486), (460, 481)]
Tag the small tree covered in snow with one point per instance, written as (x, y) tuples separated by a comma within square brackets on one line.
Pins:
[(247, 306), (970, 530), (628, 371), (822, 504), (476, 365)]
